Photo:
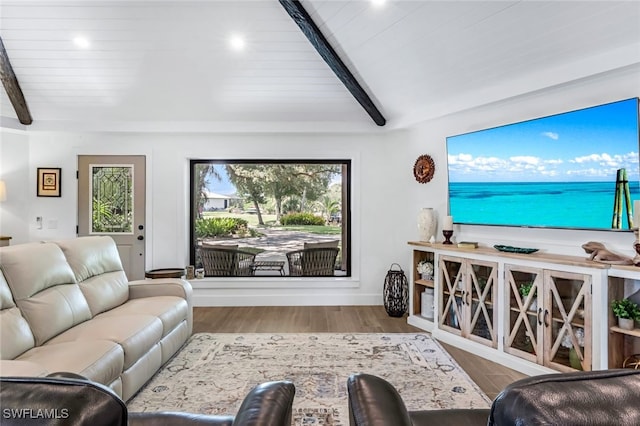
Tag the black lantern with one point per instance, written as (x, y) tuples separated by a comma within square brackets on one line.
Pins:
[(396, 292)]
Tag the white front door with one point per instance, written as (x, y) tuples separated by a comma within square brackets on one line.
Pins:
[(111, 201)]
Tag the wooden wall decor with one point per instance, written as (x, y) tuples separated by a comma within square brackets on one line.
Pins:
[(424, 168)]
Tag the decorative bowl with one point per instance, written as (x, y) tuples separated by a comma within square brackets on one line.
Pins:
[(511, 249)]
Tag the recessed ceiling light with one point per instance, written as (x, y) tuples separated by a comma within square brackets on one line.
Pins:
[(378, 3), (81, 42), (237, 42)]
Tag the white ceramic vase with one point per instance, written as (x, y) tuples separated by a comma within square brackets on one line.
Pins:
[(427, 223)]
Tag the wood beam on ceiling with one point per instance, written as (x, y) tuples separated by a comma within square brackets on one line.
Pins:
[(12, 87), (300, 16)]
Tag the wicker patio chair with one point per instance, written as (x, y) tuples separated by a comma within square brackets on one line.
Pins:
[(226, 262), (313, 262)]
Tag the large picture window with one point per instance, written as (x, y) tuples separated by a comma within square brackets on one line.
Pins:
[(256, 218)]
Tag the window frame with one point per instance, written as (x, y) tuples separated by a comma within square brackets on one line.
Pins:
[(346, 207)]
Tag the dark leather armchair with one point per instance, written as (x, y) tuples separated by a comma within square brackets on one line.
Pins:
[(66, 401), (608, 397), (375, 402)]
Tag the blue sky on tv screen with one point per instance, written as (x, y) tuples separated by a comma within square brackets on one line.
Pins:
[(587, 145)]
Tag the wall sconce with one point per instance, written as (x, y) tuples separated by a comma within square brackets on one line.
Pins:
[(3, 191)]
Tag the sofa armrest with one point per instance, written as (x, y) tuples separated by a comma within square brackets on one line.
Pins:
[(160, 287), (11, 367), (268, 404), (374, 401)]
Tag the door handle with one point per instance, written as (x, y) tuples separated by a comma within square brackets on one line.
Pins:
[(140, 238)]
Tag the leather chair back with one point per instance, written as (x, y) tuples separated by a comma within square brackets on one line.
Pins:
[(608, 397), (60, 402), (372, 399), (66, 399)]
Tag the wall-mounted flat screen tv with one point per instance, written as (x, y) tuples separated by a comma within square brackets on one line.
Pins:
[(559, 171)]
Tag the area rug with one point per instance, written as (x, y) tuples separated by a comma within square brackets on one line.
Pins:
[(214, 372)]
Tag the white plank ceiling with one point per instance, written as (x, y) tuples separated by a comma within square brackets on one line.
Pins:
[(167, 64)]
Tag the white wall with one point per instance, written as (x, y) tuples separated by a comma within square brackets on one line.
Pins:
[(429, 138), (14, 170), (386, 198), (376, 184)]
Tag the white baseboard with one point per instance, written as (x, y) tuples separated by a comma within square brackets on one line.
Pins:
[(285, 299)]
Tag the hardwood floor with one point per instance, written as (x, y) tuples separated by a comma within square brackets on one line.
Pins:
[(491, 377)]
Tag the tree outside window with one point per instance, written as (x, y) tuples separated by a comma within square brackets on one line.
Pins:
[(248, 217)]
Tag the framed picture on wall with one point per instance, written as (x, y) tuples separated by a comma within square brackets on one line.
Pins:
[(49, 182)]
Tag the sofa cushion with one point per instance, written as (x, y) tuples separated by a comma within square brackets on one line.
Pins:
[(98, 270), (99, 360), (171, 310), (21, 368), (15, 333), (137, 334), (106, 291), (44, 288)]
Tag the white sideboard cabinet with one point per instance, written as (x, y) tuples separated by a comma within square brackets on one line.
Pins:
[(536, 313)]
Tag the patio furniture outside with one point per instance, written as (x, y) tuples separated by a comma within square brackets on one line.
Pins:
[(226, 262), (268, 265), (313, 262)]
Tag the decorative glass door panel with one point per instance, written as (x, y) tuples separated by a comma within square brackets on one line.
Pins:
[(482, 284), (523, 334), (112, 199), (467, 295), (567, 320), (549, 317), (451, 293)]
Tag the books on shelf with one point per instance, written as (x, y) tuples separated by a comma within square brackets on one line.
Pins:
[(468, 244)]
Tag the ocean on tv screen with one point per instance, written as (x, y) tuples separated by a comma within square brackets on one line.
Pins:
[(581, 205)]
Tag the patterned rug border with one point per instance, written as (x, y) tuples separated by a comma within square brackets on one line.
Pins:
[(168, 384)]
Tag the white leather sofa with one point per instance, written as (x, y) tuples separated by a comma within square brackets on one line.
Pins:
[(68, 306)]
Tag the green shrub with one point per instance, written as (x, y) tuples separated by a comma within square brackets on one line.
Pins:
[(220, 227), (301, 219)]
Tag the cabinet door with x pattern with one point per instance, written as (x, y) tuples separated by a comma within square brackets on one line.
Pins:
[(467, 294)]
